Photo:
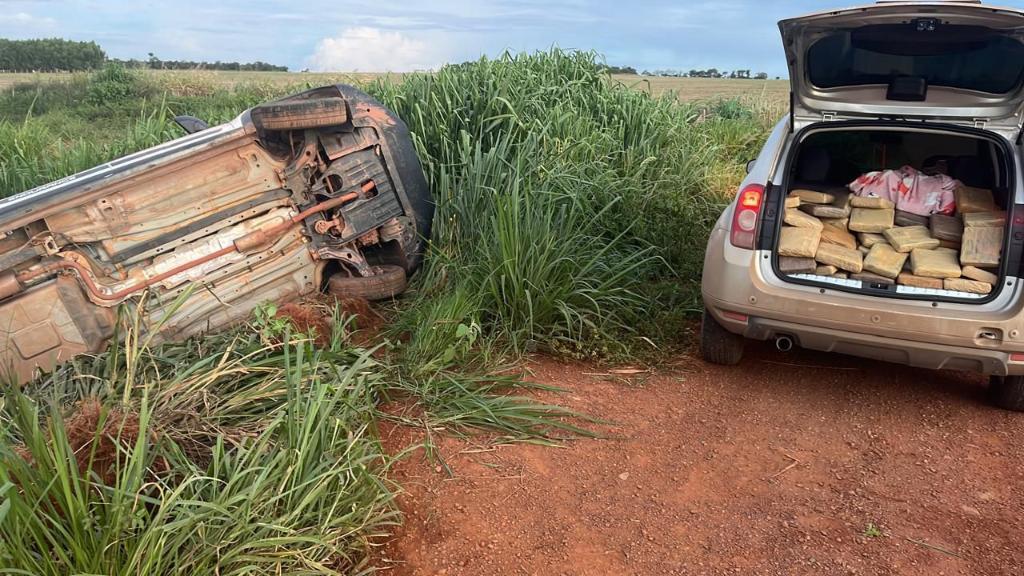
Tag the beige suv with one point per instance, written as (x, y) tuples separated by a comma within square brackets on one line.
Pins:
[(935, 86)]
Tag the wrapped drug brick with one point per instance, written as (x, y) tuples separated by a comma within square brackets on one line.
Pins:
[(908, 279), (909, 219), (869, 239), (791, 265), (907, 238), (945, 227), (799, 242), (840, 257), (872, 278), (871, 202), (985, 219), (839, 207), (813, 197), (970, 200), (833, 235), (840, 223), (965, 285), (980, 275), (884, 261), (792, 201), (871, 219), (982, 247), (825, 270), (935, 263), (800, 219)]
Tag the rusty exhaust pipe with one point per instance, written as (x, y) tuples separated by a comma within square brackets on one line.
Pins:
[(9, 284)]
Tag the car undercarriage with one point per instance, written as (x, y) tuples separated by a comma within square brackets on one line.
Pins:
[(321, 190)]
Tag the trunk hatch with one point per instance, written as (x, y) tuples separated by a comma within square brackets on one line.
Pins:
[(950, 62)]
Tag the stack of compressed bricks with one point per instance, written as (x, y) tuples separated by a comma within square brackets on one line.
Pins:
[(841, 235)]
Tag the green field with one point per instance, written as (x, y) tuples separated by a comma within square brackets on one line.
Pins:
[(572, 213), (687, 88)]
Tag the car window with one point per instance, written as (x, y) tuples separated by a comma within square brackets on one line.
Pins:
[(970, 57)]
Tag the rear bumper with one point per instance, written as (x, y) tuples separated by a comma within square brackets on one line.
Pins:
[(909, 352), (920, 333)]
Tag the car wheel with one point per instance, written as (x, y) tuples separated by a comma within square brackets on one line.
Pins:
[(300, 114), (718, 345), (1007, 392), (387, 282)]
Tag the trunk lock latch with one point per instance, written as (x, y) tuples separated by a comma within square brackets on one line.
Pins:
[(989, 335)]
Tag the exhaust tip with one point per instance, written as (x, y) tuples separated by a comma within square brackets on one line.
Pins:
[(783, 343)]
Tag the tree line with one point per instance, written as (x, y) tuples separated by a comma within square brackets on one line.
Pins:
[(60, 55), (709, 73), (154, 63), (49, 55)]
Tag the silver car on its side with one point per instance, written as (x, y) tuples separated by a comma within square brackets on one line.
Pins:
[(321, 190)]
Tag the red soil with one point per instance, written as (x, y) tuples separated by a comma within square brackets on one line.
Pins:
[(778, 466)]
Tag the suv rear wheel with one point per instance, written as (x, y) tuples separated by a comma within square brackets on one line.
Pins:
[(387, 282), (1007, 392), (718, 345)]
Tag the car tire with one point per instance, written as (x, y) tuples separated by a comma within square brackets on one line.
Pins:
[(300, 114), (387, 282), (718, 345), (1007, 392)]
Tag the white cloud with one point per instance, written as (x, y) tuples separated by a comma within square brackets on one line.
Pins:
[(26, 19), (364, 49)]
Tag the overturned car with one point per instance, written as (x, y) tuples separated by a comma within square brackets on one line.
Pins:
[(317, 191)]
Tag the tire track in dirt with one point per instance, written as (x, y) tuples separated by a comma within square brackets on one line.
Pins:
[(774, 467)]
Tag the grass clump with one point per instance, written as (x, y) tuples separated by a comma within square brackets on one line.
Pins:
[(232, 455), (565, 202)]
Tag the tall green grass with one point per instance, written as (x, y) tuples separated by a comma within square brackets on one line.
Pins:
[(562, 198), (244, 457)]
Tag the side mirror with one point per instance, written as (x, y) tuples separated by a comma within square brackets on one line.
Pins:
[(750, 166), (191, 124)]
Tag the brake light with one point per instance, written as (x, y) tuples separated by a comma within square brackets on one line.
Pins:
[(746, 217)]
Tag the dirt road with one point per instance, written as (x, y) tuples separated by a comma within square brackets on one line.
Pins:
[(790, 464)]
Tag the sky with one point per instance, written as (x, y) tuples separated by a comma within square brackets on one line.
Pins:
[(399, 36)]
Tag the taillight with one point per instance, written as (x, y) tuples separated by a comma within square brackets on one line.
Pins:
[(746, 217)]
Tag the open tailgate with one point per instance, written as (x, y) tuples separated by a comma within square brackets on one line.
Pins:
[(956, 62)]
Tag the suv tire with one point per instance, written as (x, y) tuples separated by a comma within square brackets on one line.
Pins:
[(1007, 392), (718, 345), (300, 114), (387, 282)]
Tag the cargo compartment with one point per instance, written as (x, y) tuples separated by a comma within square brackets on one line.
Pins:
[(896, 211)]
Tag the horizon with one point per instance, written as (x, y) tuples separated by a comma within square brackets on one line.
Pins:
[(648, 35)]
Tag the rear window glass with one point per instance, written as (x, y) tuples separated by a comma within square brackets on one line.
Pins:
[(969, 57)]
